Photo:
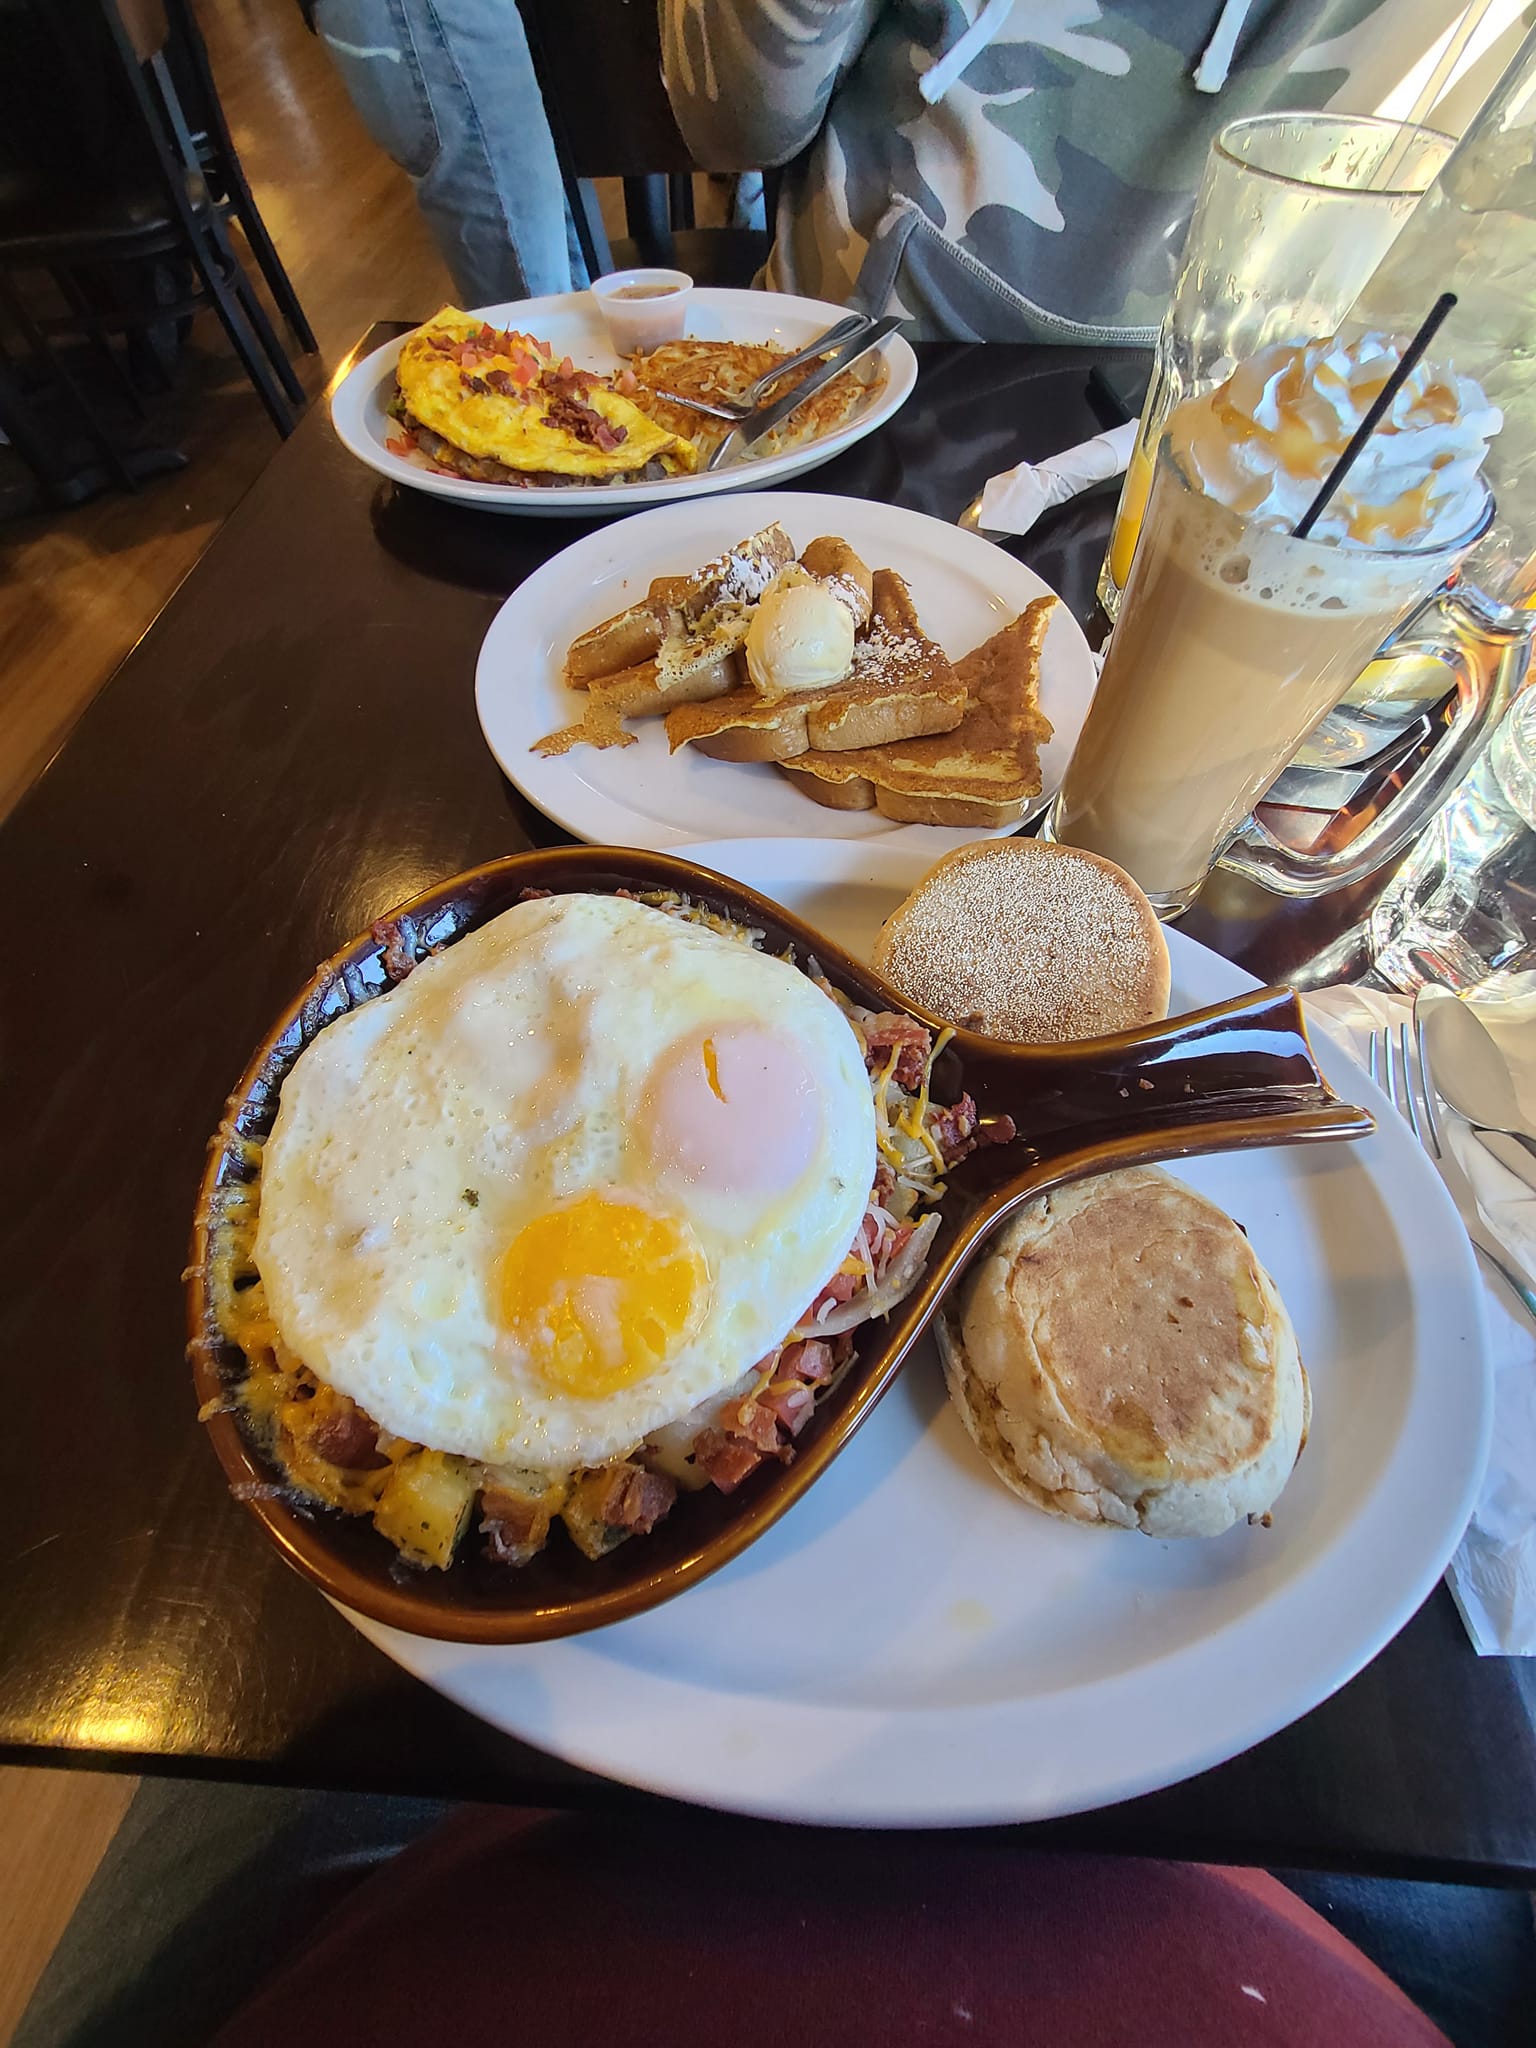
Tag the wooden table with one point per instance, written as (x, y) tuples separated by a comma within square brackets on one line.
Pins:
[(291, 750)]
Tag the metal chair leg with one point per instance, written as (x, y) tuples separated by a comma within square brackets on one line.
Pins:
[(648, 216), (245, 342), (55, 365), (586, 210), (261, 327), (231, 172), (210, 225), (74, 294)]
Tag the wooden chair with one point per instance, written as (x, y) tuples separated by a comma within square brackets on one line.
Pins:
[(100, 180), (598, 64)]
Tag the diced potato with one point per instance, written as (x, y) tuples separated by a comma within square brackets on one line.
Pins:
[(593, 1535), (518, 1507), (426, 1504)]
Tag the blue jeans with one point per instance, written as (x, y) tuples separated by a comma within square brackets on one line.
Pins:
[(447, 88)]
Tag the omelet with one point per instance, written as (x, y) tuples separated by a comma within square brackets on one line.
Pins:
[(503, 401)]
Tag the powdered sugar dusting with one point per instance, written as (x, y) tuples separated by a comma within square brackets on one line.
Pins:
[(850, 594), (884, 656)]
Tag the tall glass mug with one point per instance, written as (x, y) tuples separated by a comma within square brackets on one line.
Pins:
[(1293, 214), (1233, 641), (1475, 235), (1461, 910)]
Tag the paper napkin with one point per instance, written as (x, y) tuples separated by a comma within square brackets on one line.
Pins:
[(1012, 502), (1493, 1574)]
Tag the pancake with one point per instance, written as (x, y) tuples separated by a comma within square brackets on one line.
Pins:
[(1120, 1356)]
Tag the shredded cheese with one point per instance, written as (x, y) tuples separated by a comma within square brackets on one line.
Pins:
[(915, 1122), (889, 1151)]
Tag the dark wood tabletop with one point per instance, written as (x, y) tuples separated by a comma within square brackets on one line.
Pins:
[(290, 751)]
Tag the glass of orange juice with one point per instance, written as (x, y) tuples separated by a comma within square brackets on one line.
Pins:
[(1294, 213)]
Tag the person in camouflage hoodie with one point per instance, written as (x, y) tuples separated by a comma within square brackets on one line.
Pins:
[(994, 169)]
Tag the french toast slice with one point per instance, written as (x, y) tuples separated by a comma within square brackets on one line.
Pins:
[(675, 608), (642, 692), (902, 685), (982, 772), (831, 560)]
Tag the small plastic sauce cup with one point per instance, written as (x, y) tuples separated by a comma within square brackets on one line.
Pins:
[(643, 307)]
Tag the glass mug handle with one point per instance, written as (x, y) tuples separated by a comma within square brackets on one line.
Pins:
[(1490, 655)]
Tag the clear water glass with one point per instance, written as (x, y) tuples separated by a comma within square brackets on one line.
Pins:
[(1475, 235), (1461, 911), (1294, 213)]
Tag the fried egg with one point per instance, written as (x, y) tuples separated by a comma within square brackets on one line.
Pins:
[(570, 1179), (497, 406)]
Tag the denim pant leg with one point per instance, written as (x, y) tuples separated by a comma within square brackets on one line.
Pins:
[(447, 88)]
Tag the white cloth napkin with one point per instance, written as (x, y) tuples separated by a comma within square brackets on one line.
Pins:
[(1012, 502), (1493, 1574)]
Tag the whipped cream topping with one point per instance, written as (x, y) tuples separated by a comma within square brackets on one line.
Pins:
[(1263, 442)]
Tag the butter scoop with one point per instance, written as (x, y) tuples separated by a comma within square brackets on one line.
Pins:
[(800, 637)]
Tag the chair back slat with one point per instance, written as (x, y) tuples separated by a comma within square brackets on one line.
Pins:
[(146, 26), (599, 68)]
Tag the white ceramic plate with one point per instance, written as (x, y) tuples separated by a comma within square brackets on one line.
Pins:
[(964, 589), (572, 325), (911, 1645)]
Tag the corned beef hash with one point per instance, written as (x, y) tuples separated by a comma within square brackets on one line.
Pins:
[(581, 1211)]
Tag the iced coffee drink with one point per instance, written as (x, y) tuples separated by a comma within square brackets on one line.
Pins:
[(1235, 638)]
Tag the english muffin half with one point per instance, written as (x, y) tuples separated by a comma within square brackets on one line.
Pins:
[(1029, 941), (1120, 1356)]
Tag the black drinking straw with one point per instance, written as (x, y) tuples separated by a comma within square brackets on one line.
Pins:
[(1409, 362)]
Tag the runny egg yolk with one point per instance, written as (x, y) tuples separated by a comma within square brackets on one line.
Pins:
[(734, 1111), (600, 1292)]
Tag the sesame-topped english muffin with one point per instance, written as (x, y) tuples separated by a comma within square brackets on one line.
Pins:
[(1025, 940), (1120, 1356)]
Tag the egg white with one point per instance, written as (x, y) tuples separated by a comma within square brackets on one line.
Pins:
[(419, 1134)]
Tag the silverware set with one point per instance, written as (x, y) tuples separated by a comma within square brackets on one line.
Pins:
[(756, 395), (1399, 1062), (756, 413)]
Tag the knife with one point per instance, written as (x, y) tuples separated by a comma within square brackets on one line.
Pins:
[(767, 417)]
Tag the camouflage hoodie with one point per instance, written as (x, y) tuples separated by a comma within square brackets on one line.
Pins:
[(995, 169)]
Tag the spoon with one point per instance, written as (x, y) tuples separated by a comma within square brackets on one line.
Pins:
[(1469, 1069), (1238, 1075)]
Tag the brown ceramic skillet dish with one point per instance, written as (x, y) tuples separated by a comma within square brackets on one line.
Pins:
[(1238, 1075)]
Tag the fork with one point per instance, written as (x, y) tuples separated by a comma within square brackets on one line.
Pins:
[(743, 408), (1398, 1062)]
